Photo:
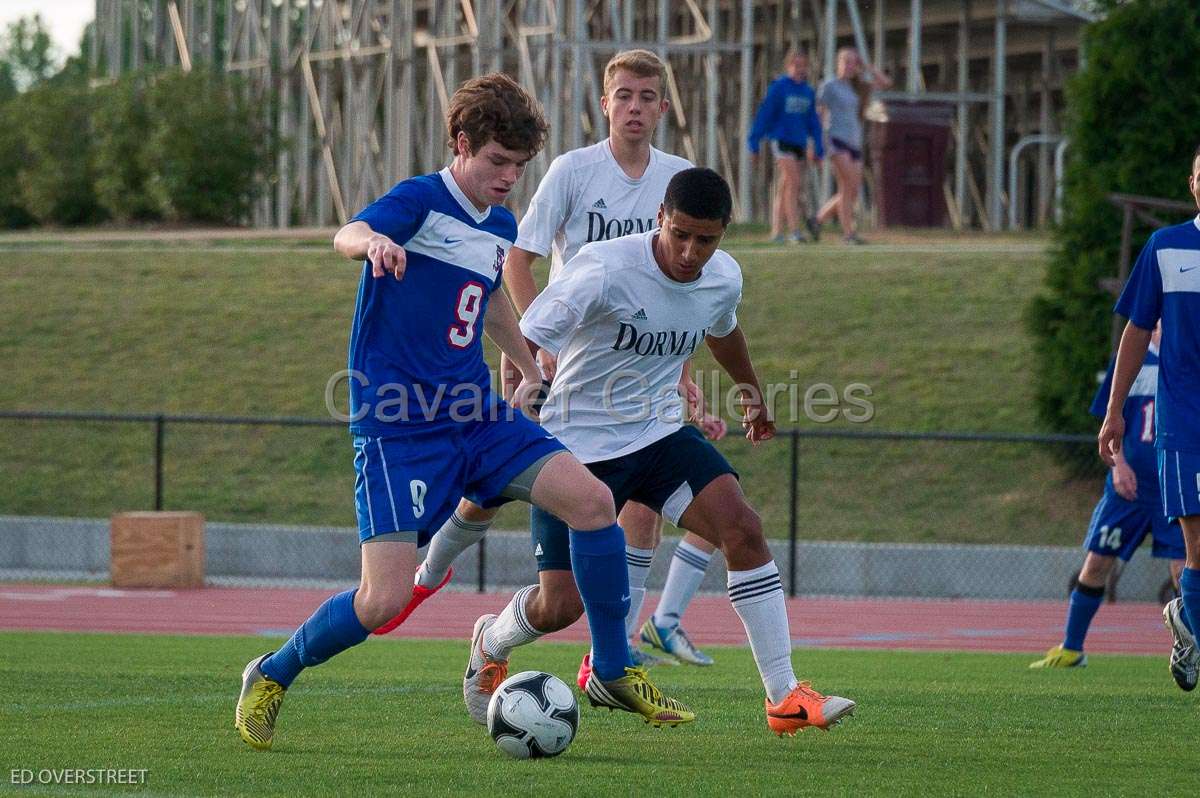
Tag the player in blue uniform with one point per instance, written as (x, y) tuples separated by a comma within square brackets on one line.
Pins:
[(1165, 286), (427, 427), (1129, 509)]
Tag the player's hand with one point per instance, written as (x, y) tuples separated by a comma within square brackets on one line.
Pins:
[(548, 363), (386, 257), (1124, 481), (713, 427), (1111, 434), (757, 421), (525, 396), (694, 399)]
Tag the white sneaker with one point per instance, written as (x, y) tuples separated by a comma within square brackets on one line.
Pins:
[(1185, 662), (483, 675)]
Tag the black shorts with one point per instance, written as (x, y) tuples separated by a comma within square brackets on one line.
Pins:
[(841, 146), (783, 149), (664, 476)]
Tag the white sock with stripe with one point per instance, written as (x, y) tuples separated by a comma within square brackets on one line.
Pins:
[(512, 628), (638, 562), (688, 566), (757, 597), (456, 536)]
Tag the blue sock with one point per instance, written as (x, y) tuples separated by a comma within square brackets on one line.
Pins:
[(1189, 589), (598, 561), (333, 628), (1084, 603)]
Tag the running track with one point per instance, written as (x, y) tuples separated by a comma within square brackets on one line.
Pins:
[(1126, 628)]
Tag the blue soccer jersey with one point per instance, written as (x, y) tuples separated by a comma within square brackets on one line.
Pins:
[(1165, 285), (416, 357), (1138, 443)]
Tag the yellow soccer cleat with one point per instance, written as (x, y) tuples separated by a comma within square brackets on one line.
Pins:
[(258, 705), (1059, 657), (634, 693)]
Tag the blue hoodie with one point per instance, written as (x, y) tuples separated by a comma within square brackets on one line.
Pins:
[(788, 114)]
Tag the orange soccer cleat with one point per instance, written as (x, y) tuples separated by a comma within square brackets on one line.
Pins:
[(804, 707)]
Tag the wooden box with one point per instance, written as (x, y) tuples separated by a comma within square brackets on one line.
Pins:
[(157, 549)]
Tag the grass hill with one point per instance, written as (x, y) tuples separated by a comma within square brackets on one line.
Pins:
[(930, 324)]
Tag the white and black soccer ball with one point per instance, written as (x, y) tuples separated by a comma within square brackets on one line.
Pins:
[(533, 714)]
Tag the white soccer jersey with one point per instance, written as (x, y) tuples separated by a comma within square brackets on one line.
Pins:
[(622, 331), (586, 196)]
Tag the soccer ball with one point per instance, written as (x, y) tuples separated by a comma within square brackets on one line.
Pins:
[(533, 714)]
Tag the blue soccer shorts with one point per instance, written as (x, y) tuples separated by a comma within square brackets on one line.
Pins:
[(664, 476), (406, 486), (1179, 478), (1119, 526)]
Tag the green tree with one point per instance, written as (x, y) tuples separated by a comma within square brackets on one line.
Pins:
[(206, 147), (29, 51), (122, 122), (56, 178), (1133, 130), (12, 158)]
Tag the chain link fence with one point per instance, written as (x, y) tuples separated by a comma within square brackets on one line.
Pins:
[(847, 512)]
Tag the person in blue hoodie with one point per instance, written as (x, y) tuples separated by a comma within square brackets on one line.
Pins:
[(788, 117)]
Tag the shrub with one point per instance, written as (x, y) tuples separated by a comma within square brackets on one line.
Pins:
[(122, 125), (56, 179), (1132, 131), (206, 147)]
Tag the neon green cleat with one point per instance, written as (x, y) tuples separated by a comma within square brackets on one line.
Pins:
[(1059, 657), (674, 642), (634, 693), (258, 705)]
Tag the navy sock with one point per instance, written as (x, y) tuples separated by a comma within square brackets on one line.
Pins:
[(598, 561), (1084, 603), (333, 628), (1189, 589)]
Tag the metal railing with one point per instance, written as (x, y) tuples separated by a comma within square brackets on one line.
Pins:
[(160, 422)]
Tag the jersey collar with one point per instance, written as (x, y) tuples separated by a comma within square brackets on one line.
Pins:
[(1196, 221), (612, 159), (463, 202)]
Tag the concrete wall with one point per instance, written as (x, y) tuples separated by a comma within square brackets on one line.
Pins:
[(255, 554)]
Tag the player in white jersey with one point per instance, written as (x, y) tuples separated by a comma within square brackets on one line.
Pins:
[(622, 321), (594, 193)]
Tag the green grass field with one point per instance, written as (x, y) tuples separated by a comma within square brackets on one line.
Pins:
[(388, 718), (932, 326)]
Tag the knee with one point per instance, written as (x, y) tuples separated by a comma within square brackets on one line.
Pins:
[(470, 511), (742, 531), (592, 507), (1095, 570), (376, 606)]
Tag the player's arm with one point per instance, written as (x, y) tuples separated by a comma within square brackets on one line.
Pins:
[(518, 280), (1132, 351), (501, 325), (358, 241), (518, 277), (733, 355)]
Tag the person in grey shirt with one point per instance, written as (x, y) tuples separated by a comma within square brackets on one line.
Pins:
[(842, 101)]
